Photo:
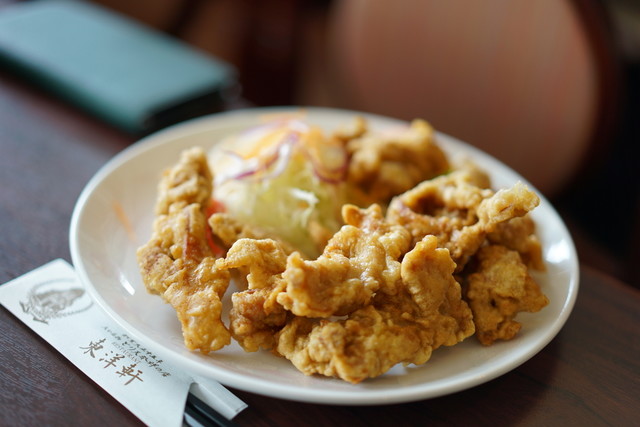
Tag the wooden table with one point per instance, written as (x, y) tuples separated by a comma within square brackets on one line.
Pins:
[(588, 375)]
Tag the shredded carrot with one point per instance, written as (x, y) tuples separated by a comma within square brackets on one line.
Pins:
[(124, 220), (214, 207)]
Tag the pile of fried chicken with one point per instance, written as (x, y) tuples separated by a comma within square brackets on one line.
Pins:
[(438, 257)]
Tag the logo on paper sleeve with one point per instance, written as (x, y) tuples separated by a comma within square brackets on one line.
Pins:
[(54, 299)]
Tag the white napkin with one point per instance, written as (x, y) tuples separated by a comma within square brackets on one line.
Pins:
[(55, 304)]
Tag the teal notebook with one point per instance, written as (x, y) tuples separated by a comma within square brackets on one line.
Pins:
[(117, 69)]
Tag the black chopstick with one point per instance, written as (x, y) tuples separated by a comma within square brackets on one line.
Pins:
[(199, 414)]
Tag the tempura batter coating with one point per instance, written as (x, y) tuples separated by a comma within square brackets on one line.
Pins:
[(189, 181), (356, 262), (498, 290), (519, 234), (354, 129), (420, 313), (227, 230), (177, 262), (459, 213), (256, 315), (383, 165), (345, 277)]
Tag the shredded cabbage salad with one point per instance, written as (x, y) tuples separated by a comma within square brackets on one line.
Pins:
[(285, 177)]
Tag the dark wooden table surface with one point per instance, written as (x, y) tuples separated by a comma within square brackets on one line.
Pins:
[(588, 375)]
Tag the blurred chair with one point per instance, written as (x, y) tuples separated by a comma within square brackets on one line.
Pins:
[(533, 83)]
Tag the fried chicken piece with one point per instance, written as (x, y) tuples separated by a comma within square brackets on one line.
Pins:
[(366, 345), (518, 234), (439, 207), (459, 213), (473, 174), (345, 277), (177, 262), (395, 239), (498, 290), (355, 129), (256, 315), (503, 206), (427, 273), (385, 164), (424, 312), (190, 181), (187, 184), (227, 230), (357, 261)]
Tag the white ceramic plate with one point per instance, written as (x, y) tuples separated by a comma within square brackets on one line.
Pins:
[(113, 217)]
